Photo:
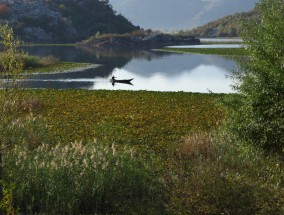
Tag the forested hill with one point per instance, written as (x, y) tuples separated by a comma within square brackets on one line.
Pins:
[(62, 20), (228, 26)]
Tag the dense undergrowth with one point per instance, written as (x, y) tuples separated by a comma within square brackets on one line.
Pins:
[(82, 152)]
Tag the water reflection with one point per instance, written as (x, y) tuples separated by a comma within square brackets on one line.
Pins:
[(220, 46), (187, 80), (155, 71)]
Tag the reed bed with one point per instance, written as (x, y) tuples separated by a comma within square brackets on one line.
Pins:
[(83, 178)]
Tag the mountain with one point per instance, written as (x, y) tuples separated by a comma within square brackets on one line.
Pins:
[(173, 15), (62, 20), (228, 26)]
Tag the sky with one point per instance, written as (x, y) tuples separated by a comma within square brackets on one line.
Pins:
[(171, 15)]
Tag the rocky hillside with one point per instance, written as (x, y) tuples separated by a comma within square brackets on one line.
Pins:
[(228, 26), (62, 20), (138, 40)]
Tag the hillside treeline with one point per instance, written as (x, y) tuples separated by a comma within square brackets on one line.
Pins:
[(228, 26), (62, 20)]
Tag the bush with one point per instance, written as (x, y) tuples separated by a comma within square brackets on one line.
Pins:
[(259, 117), (83, 179), (6, 203)]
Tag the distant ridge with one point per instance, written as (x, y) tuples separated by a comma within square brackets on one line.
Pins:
[(228, 26), (62, 20), (175, 15)]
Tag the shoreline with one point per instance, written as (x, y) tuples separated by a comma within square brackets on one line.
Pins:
[(80, 67)]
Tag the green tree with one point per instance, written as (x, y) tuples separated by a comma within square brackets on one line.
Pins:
[(11, 66), (259, 114)]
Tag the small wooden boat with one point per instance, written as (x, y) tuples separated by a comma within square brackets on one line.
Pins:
[(122, 81)]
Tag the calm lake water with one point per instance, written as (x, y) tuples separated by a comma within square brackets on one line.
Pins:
[(151, 70), (228, 46)]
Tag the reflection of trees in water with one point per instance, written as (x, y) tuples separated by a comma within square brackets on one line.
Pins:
[(174, 64), (140, 61), (111, 57), (128, 53)]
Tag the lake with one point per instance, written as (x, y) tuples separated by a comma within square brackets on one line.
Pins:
[(151, 70), (208, 46)]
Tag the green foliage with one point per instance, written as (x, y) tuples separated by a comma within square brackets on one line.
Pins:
[(6, 203), (259, 117), (10, 65), (80, 178), (10, 68)]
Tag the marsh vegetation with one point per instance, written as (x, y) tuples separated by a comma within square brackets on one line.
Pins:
[(78, 151), (126, 152)]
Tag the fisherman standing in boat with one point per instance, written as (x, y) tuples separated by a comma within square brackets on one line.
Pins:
[(112, 80)]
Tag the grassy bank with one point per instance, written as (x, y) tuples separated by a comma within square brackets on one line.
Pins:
[(213, 51), (48, 44), (59, 67), (118, 152), (49, 64)]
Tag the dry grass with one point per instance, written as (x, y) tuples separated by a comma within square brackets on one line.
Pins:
[(30, 104), (24, 105), (197, 144), (49, 60)]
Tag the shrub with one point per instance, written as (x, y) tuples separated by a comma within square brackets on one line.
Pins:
[(10, 65), (6, 203), (259, 117), (234, 179), (10, 68)]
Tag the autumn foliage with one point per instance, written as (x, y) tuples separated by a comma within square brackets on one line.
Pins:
[(4, 10)]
